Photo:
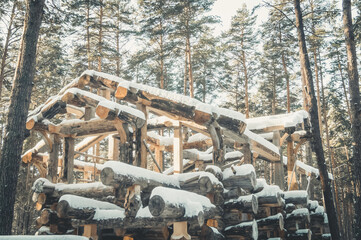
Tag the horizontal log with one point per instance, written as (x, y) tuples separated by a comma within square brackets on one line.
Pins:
[(297, 197), (299, 218), (216, 171), (270, 197), (246, 204), (271, 223), (243, 176), (70, 206), (118, 174), (210, 233), (232, 193), (301, 234), (248, 230), (110, 110)]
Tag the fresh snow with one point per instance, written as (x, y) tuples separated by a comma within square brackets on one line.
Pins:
[(244, 169), (198, 137), (82, 203)]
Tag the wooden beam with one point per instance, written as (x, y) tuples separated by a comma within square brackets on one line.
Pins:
[(180, 231), (247, 154), (291, 177), (217, 140), (178, 149), (159, 158), (113, 148), (90, 231)]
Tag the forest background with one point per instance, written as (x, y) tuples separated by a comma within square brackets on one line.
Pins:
[(251, 66)]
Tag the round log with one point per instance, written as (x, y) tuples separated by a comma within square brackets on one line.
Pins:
[(247, 181), (297, 197), (205, 184), (160, 208), (272, 223), (268, 198), (248, 230), (246, 204), (301, 234), (216, 171)]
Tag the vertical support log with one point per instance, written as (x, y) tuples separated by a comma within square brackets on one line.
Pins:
[(291, 177), (247, 154), (278, 166), (53, 158), (90, 231), (89, 113), (68, 163), (113, 148), (159, 158), (180, 231), (217, 141), (142, 155), (178, 149)]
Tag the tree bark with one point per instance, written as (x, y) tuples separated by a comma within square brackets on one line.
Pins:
[(316, 138), (245, 76), (6, 47), (355, 110), (18, 111)]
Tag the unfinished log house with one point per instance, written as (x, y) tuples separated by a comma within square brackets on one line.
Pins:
[(170, 167)]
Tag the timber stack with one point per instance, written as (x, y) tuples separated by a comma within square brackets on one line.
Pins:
[(199, 182)]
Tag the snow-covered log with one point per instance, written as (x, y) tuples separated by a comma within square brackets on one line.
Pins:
[(216, 171), (271, 223), (118, 174), (248, 230), (297, 197), (245, 204), (71, 206), (301, 234), (299, 218), (173, 203), (243, 176), (210, 233)]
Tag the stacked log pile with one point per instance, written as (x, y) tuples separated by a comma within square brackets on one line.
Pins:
[(142, 204)]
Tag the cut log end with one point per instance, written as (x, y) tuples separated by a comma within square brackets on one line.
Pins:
[(26, 158), (107, 176), (156, 205), (102, 111), (30, 124), (121, 92), (61, 209), (254, 204)]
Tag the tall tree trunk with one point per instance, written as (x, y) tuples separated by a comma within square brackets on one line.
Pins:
[(161, 47), (6, 47), (88, 33), (18, 111), (286, 75), (185, 73), (316, 138), (244, 64), (100, 40), (274, 92), (329, 149), (344, 87), (117, 38), (355, 110), (188, 49)]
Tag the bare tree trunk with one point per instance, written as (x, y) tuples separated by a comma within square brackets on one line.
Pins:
[(245, 72), (274, 92), (355, 110), (88, 34), (18, 111), (316, 138), (100, 40), (161, 56), (185, 74), (6, 47), (344, 87), (117, 37), (286, 75), (188, 50)]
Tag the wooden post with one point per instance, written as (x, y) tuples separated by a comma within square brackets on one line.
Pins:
[(291, 177), (90, 231), (89, 113), (278, 166), (143, 135), (159, 158), (53, 158), (217, 141), (180, 231), (247, 154), (178, 149), (68, 163), (113, 148)]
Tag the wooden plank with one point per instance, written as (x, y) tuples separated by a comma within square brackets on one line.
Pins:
[(278, 165), (159, 158), (113, 148), (247, 154), (90, 231), (143, 137), (291, 178)]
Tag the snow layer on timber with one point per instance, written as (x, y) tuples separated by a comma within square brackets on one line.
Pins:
[(185, 176), (45, 237), (198, 137), (285, 120), (162, 120), (215, 168), (104, 214), (240, 199), (90, 186), (306, 168), (234, 154), (192, 202), (295, 194), (267, 190), (207, 108), (203, 156), (261, 141), (171, 169), (144, 213), (244, 169), (137, 172), (85, 93), (79, 163), (82, 203), (242, 224), (163, 141), (119, 109), (299, 212)]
